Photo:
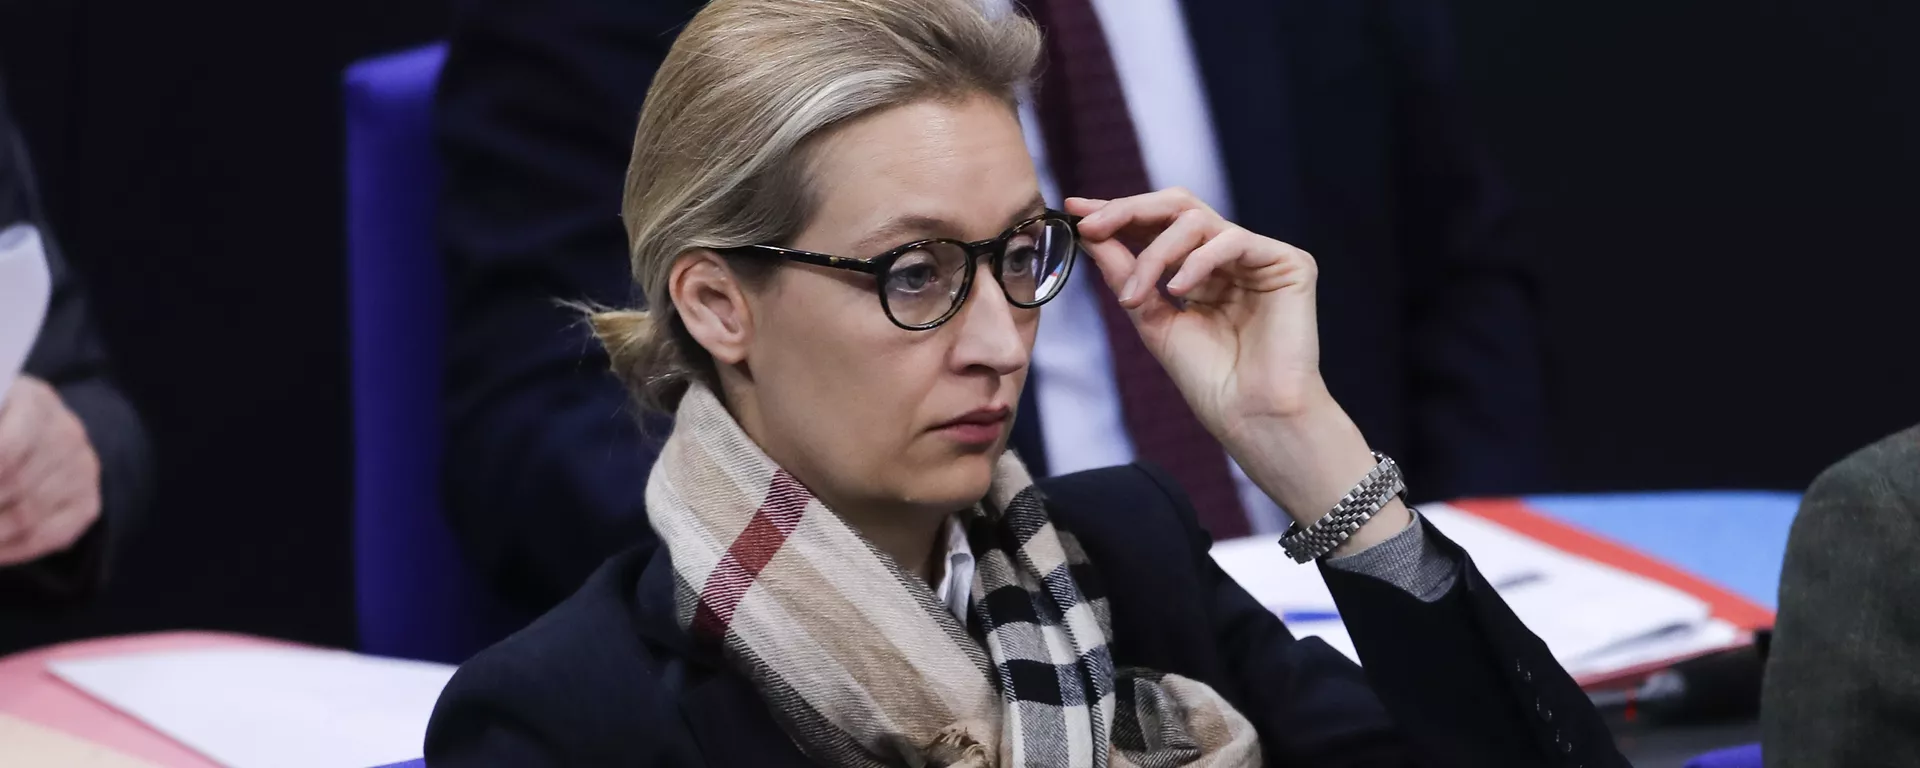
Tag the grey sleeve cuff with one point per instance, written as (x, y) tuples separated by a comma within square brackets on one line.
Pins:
[(1406, 561)]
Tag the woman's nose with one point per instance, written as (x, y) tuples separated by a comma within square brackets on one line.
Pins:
[(990, 331)]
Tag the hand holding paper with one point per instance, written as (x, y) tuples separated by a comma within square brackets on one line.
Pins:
[(49, 473)]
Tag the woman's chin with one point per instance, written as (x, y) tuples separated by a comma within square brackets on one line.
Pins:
[(955, 483)]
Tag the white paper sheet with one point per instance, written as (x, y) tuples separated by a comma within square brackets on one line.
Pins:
[(1682, 642), (24, 286), (1590, 615), (272, 707)]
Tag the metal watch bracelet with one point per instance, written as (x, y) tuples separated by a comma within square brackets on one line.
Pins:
[(1378, 487)]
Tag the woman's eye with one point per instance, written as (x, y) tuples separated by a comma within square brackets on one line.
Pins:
[(1021, 259), (912, 277)]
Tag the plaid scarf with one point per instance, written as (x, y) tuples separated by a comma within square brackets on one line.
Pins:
[(863, 666)]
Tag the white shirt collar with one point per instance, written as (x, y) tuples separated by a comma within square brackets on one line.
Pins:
[(954, 587)]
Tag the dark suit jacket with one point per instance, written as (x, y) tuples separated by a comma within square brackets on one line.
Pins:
[(1341, 129), (68, 355), (608, 678), (1843, 672)]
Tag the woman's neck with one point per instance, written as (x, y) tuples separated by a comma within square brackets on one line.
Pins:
[(911, 536)]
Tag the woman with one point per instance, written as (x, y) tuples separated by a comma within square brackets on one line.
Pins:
[(834, 217)]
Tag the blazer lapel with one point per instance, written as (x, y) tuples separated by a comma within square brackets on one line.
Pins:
[(726, 716), (1238, 46)]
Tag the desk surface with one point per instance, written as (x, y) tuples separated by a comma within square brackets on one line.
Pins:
[(1736, 539), (29, 692)]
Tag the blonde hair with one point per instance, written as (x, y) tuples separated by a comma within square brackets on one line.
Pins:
[(720, 160)]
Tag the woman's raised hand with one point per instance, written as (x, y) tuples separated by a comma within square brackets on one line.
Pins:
[(1238, 332), (1236, 329)]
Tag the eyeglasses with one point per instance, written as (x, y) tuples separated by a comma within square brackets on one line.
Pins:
[(923, 284)]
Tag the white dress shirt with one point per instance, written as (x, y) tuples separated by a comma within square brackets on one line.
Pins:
[(954, 587), (1079, 403)]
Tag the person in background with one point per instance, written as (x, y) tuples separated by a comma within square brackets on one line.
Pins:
[(74, 464), (1842, 686), (843, 246), (1334, 125)]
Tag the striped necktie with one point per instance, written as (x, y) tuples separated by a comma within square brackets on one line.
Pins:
[(1093, 152)]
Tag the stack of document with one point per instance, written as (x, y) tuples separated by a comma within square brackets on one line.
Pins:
[(1598, 620)]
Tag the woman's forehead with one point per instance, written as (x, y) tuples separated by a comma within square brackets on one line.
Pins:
[(926, 169)]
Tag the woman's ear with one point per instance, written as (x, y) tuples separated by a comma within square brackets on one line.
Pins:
[(712, 305)]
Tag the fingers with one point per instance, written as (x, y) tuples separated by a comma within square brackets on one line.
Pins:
[(1202, 250), (13, 523), (1223, 249), (1115, 261), (47, 470), (53, 512), (1084, 206), (1177, 221), (1189, 231), (24, 500), (1246, 261), (1117, 266), (56, 533), (1151, 210), (18, 424)]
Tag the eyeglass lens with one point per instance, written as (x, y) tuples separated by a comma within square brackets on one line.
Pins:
[(924, 285)]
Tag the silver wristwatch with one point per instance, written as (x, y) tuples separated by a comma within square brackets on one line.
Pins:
[(1366, 499)]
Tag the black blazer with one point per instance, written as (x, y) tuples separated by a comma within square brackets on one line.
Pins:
[(1340, 124), (608, 678), (69, 356)]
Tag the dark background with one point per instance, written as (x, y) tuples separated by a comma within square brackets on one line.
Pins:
[(1721, 197)]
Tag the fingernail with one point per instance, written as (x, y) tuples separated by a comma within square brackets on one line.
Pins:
[(1133, 287)]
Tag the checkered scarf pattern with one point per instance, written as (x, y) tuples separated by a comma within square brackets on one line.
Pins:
[(863, 666)]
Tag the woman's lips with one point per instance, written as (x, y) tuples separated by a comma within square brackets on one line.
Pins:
[(981, 426)]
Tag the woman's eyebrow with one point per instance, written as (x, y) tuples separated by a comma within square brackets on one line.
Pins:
[(1036, 207), (1032, 209), (897, 230)]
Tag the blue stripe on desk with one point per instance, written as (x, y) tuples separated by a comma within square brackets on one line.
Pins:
[(1736, 539)]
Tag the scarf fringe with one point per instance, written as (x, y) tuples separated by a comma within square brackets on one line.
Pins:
[(958, 746)]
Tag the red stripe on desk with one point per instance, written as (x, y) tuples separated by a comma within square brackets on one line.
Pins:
[(1517, 516)]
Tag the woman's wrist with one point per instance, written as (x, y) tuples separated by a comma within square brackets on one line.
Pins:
[(1306, 458)]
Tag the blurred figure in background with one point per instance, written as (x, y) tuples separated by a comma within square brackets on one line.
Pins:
[(74, 465), (1333, 125), (1843, 674)]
